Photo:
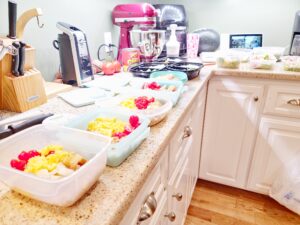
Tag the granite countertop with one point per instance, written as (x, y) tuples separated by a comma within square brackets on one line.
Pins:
[(109, 199), (245, 71)]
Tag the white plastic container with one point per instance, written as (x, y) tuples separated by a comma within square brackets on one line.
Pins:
[(117, 152), (136, 86), (173, 46), (64, 191), (154, 115), (262, 61), (228, 60), (291, 63)]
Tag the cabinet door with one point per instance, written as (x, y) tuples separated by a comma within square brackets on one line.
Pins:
[(278, 142), (197, 119), (230, 129), (156, 184), (177, 193)]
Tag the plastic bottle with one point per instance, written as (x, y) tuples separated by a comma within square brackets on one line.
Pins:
[(173, 46)]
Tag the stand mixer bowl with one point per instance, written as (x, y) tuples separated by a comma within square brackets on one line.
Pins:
[(149, 42)]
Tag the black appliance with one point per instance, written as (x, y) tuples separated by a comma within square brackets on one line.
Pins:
[(75, 60), (295, 42)]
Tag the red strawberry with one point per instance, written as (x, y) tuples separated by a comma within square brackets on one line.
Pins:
[(134, 121), (24, 156), (33, 153), (18, 164)]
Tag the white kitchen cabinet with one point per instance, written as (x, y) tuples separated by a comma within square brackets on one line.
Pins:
[(230, 128), (178, 193), (277, 142), (197, 129), (172, 181), (153, 194)]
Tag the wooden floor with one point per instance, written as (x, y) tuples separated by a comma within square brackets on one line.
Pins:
[(215, 204)]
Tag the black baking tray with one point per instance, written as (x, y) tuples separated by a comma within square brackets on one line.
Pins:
[(192, 72), (145, 69)]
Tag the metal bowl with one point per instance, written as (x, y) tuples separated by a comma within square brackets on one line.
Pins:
[(149, 42)]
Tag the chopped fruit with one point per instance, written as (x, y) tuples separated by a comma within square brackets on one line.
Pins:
[(33, 153), (134, 121), (28, 155), (142, 102), (57, 163), (18, 164), (24, 156), (113, 127), (157, 87)]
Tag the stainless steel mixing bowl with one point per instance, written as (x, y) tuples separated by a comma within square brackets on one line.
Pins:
[(149, 42)]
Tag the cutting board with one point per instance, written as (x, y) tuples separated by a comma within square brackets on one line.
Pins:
[(52, 88)]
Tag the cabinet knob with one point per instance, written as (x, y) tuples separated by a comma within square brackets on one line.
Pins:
[(187, 131), (178, 196), (171, 216), (148, 208), (256, 98)]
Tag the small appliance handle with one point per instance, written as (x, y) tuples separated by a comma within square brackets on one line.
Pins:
[(124, 40), (55, 44)]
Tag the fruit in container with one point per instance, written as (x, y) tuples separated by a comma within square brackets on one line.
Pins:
[(141, 103), (262, 61), (113, 127), (228, 61), (291, 63), (167, 77), (50, 162), (155, 86)]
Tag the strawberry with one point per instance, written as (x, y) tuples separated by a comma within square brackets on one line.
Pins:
[(18, 164), (134, 121)]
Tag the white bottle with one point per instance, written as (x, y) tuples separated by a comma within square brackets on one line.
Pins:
[(173, 46)]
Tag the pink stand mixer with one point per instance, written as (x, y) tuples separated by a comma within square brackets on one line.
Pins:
[(141, 15)]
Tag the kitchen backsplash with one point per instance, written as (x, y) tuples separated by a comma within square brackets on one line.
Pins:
[(273, 18)]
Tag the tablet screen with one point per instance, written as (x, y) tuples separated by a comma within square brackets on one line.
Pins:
[(248, 41)]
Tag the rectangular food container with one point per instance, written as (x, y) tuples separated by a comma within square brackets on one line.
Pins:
[(137, 88), (60, 192), (117, 152)]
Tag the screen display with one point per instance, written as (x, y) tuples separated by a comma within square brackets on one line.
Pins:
[(248, 41), (295, 46)]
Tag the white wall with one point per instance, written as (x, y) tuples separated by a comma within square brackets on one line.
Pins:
[(92, 16), (273, 18)]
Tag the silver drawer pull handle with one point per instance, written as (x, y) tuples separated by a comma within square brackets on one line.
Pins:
[(178, 196), (294, 102), (187, 132), (171, 216), (148, 208)]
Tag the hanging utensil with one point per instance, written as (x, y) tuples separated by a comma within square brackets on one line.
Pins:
[(25, 18), (12, 16)]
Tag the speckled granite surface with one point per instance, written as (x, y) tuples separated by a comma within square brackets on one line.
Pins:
[(244, 71), (109, 199)]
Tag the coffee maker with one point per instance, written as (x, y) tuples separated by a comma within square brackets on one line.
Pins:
[(168, 14), (75, 60), (295, 42)]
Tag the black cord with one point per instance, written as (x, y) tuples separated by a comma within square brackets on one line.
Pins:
[(101, 46)]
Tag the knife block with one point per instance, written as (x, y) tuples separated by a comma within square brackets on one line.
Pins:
[(19, 94)]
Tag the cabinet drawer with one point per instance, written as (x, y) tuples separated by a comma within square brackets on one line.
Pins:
[(179, 140), (283, 100), (157, 184), (178, 192)]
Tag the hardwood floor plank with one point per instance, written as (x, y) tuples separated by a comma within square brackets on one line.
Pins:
[(214, 204)]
